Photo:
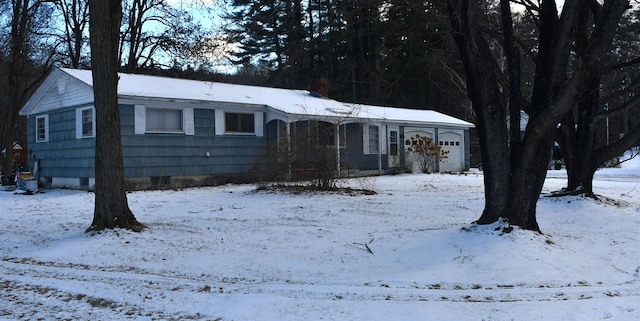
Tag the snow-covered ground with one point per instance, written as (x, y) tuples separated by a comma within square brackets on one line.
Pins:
[(231, 253)]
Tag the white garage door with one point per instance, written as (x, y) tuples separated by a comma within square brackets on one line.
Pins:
[(453, 143)]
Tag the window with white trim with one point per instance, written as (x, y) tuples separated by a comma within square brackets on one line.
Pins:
[(239, 123), (42, 129), (393, 142), (162, 120), (374, 139), (85, 122)]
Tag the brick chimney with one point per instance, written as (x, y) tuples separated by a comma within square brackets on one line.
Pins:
[(319, 86)]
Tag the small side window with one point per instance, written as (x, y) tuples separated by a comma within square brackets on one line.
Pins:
[(393, 143), (42, 129), (374, 139), (85, 122)]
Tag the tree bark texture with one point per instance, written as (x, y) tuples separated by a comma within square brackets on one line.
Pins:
[(488, 105), (111, 206)]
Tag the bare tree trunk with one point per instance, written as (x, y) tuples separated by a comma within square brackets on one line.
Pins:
[(111, 207), (582, 139), (489, 108), (588, 162), (527, 179)]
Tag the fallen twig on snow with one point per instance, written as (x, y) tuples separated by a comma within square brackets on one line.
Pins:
[(627, 194), (359, 246)]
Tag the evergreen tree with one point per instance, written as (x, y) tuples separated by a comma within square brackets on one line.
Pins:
[(271, 36)]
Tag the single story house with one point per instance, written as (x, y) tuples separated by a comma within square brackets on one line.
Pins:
[(184, 132)]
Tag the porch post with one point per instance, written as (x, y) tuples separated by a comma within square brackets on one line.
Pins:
[(338, 150), (380, 141), (288, 126)]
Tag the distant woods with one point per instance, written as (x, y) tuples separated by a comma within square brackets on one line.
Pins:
[(381, 52)]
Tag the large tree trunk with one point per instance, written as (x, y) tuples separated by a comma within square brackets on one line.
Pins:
[(489, 107), (111, 207), (527, 179), (580, 140)]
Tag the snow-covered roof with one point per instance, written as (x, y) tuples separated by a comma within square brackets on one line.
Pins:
[(287, 101)]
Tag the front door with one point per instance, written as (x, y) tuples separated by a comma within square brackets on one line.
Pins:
[(394, 155)]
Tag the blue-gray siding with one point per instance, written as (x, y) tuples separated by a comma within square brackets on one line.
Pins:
[(185, 155), (63, 155), (149, 154), (353, 156)]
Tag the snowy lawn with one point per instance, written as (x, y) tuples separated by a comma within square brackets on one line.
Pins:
[(409, 252)]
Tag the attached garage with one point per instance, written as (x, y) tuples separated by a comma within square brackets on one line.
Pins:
[(449, 140), (452, 142)]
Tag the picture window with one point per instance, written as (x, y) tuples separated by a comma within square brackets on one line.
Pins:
[(239, 123), (164, 120)]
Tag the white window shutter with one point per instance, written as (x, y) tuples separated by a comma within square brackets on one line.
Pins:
[(365, 139), (78, 123), (93, 121), (258, 124), (139, 119), (46, 127), (187, 115), (219, 122), (383, 139)]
